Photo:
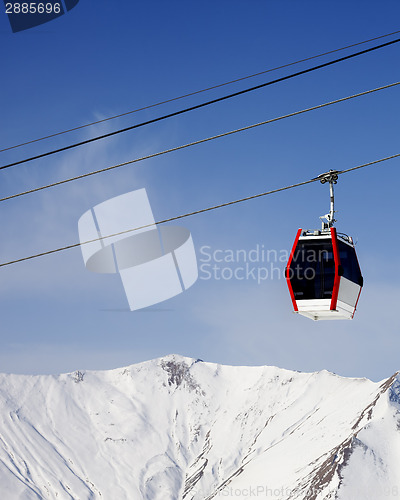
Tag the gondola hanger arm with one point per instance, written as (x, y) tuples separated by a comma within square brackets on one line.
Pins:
[(332, 177)]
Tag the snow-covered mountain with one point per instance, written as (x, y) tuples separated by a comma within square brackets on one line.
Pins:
[(178, 428)]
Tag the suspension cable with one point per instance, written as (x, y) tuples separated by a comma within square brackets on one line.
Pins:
[(196, 92), (198, 106), (201, 141), (208, 209)]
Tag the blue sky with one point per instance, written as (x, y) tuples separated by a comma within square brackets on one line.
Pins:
[(105, 58)]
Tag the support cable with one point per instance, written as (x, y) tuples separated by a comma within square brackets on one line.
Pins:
[(200, 141), (198, 106), (189, 214), (196, 92)]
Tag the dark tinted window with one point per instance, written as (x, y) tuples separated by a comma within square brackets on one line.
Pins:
[(312, 270), (349, 263)]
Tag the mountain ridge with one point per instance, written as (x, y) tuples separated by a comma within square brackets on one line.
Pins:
[(179, 428)]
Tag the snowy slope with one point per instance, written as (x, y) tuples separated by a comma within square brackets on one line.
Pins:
[(178, 428)]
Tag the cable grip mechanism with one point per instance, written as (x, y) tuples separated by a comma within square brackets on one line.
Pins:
[(332, 177)]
